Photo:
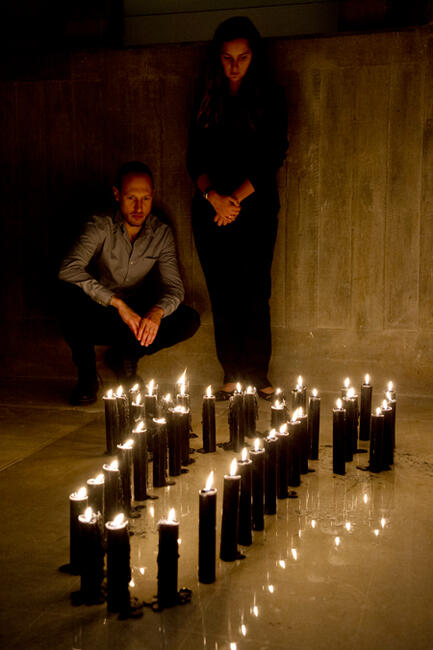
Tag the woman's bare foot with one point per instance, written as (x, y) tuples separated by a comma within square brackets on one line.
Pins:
[(228, 388)]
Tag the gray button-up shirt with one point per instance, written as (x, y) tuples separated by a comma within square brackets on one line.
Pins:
[(118, 266)]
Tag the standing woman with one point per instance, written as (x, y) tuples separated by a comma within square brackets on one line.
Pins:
[(237, 144)]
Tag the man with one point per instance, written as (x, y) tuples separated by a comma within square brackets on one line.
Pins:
[(121, 287)]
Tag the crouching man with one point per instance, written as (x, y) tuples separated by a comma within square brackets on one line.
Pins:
[(121, 287)]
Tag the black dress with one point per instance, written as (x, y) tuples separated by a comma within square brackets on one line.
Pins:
[(237, 258)]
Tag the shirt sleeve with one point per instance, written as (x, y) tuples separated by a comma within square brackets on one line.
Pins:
[(271, 143), (74, 268), (172, 291)]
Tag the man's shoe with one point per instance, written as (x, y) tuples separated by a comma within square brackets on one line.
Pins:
[(84, 393)]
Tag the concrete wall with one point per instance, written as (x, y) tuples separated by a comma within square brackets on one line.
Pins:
[(352, 275)]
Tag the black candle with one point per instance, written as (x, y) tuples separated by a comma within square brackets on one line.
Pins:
[(91, 557), (250, 412), (140, 461), (245, 465), (304, 441), (78, 503), (207, 532), (392, 402), (125, 468), (257, 455), (376, 441), (314, 424), (118, 565), (294, 453), (178, 427), (95, 493), (112, 494), (136, 410), (208, 421), (299, 396), (230, 515), (283, 462), (339, 439), (236, 415), (184, 440), (388, 447), (168, 553), (271, 452), (349, 408), (366, 396), (150, 403), (159, 452), (278, 414), (124, 420), (354, 399), (111, 422)]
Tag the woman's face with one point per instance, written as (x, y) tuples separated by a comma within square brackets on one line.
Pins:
[(236, 57)]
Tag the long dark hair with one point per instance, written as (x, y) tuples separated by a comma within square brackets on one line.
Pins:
[(252, 86)]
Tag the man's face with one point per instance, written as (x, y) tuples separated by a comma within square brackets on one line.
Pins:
[(135, 198)]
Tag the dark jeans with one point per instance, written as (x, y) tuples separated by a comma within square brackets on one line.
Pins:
[(85, 324), (236, 261)]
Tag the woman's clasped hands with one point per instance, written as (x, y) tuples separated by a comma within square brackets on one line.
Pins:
[(227, 208)]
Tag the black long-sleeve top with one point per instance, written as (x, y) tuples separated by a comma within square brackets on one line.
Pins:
[(233, 151)]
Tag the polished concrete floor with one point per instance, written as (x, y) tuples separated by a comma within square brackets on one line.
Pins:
[(348, 564)]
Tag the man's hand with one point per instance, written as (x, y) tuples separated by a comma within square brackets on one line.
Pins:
[(128, 315), (225, 206), (149, 326)]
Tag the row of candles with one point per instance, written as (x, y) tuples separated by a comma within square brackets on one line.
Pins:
[(250, 490), (378, 427)]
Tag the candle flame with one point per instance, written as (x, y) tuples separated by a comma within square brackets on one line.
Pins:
[(272, 433), (271, 589), (244, 630), (383, 522), (313, 523), (376, 532), (131, 583), (152, 511), (167, 398), (88, 514), (347, 382), (209, 482), (110, 393), (390, 386), (294, 553), (182, 378), (255, 610), (238, 388), (209, 391), (114, 465), (384, 404), (160, 420), (233, 467), (378, 410), (142, 570), (150, 386), (244, 454), (339, 403), (367, 379), (179, 409), (350, 392), (182, 390), (128, 444), (118, 520), (300, 382), (300, 412), (119, 391), (277, 404), (140, 427), (257, 444), (134, 389), (388, 396), (138, 399), (250, 390), (282, 564), (315, 393), (99, 479), (365, 498), (81, 493), (283, 428), (348, 526), (278, 391), (337, 541), (172, 515)]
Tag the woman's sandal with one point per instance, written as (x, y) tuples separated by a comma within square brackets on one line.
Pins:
[(269, 397), (223, 395)]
